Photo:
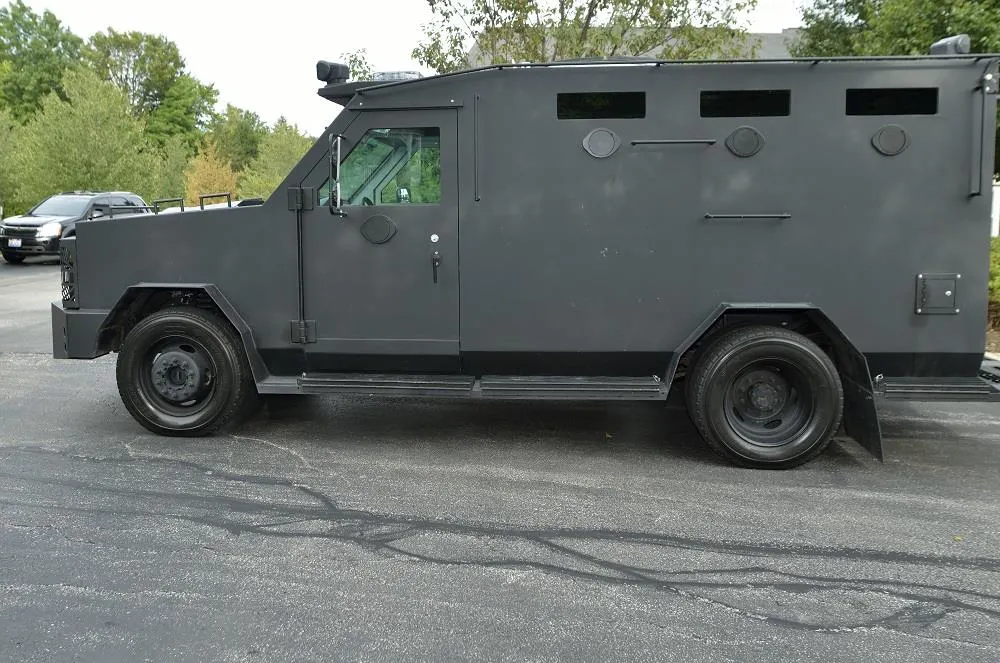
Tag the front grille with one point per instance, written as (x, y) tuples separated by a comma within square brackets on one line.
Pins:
[(24, 233), (67, 262)]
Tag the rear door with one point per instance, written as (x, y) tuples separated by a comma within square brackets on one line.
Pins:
[(381, 282)]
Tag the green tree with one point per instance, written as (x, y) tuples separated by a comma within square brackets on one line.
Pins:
[(545, 30), (36, 51), (357, 62), (280, 150), (208, 173), (995, 272), (833, 27), (237, 135), (173, 163), (143, 66), (185, 111), (91, 140), (8, 180), (909, 27)]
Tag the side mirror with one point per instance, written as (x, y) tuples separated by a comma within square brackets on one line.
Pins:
[(97, 212), (334, 200), (402, 195)]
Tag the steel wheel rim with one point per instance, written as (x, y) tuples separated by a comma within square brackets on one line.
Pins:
[(769, 403), (166, 383)]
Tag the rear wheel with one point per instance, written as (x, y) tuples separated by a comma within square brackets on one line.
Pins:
[(183, 372), (765, 397), (12, 259)]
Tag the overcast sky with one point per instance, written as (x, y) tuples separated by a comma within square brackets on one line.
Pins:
[(262, 56)]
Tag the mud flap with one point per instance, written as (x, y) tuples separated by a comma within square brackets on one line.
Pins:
[(860, 414)]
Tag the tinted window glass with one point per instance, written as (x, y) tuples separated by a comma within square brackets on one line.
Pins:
[(62, 206), (746, 103), (391, 167), (893, 101), (600, 105)]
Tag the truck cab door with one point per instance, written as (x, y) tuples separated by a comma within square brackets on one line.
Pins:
[(381, 281)]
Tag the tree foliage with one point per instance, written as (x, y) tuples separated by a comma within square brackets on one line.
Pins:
[(185, 112), (8, 179), (500, 31), (237, 135), (35, 52), (88, 141), (895, 27), (909, 27), (174, 160), (280, 150), (208, 173), (143, 66), (832, 27), (995, 272), (359, 65)]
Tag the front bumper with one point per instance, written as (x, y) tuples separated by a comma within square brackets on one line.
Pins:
[(75, 332), (30, 246)]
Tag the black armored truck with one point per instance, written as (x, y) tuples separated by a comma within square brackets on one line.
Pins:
[(784, 241)]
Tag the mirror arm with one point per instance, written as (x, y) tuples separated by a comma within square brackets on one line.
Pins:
[(334, 200)]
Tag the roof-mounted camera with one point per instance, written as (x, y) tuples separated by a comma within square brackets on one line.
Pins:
[(956, 45), (332, 73)]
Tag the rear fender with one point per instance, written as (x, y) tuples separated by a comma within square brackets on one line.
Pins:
[(860, 414)]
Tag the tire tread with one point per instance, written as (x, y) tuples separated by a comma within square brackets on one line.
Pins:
[(245, 399), (713, 354)]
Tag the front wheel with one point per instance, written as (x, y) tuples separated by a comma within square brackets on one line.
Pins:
[(182, 372), (766, 397), (13, 259)]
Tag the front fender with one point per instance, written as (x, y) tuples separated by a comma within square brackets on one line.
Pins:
[(143, 298)]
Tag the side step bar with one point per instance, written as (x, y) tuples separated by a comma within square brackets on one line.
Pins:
[(444, 386), (492, 387), (986, 387)]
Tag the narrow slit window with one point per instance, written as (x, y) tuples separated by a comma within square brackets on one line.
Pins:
[(893, 101), (746, 103), (600, 105)]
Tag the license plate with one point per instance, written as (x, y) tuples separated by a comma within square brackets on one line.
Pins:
[(14, 243)]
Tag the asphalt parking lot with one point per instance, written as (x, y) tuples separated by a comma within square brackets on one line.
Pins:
[(349, 529)]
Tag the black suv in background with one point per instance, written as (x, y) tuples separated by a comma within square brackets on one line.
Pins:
[(38, 231)]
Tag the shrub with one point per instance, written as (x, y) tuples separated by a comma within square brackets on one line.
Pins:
[(995, 284)]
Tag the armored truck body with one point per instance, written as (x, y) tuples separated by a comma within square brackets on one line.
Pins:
[(789, 240)]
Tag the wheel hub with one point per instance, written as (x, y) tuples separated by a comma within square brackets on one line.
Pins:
[(764, 397), (178, 376), (761, 394)]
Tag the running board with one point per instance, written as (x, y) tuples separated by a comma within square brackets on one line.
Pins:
[(986, 387), (569, 388), (423, 386), (572, 388)]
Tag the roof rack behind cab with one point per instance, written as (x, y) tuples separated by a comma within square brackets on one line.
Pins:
[(338, 90)]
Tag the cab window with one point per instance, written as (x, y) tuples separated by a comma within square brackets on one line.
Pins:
[(399, 166)]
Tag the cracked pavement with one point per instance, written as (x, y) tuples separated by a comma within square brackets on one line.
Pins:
[(351, 528)]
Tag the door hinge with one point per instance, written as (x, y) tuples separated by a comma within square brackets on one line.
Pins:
[(301, 198), (303, 331)]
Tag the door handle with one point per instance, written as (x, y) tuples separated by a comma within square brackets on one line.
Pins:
[(435, 262)]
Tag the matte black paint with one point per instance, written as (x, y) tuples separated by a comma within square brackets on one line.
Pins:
[(575, 265)]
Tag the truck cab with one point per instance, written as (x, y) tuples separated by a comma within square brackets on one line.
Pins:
[(785, 242)]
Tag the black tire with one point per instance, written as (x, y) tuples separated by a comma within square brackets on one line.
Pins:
[(183, 372), (13, 259), (765, 397)]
